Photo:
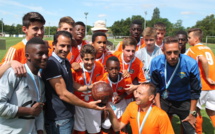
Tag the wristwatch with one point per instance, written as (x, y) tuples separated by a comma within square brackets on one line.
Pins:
[(193, 113)]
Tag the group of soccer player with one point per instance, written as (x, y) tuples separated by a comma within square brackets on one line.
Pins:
[(46, 85)]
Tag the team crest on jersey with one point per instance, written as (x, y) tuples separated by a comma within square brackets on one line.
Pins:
[(97, 75), (182, 75), (131, 71), (119, 88)]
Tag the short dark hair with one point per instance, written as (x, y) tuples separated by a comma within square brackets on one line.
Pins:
[(181, 32), (68, 20), (129, 41), (112, 58), (87, 49), (34, 41), (160, 26), (98, 34), (138, 22), (152, 88), (197, 32), (63, 33), (32, 17), (169, 40), (80, 23)]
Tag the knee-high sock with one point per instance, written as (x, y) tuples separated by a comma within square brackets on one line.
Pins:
[(199, 121), (213, 120)]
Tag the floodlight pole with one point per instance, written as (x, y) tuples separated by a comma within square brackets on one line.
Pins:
[(145, 19), (49, 28), (2, 25), (86, 13)]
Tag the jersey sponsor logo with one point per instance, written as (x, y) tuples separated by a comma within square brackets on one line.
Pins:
[(119, 88), (131, 71), (182, 75)]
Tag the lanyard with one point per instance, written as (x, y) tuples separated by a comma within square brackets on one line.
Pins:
[(129, 66), (24, 41), (111, 83), (35, 84), (102, 58), (91, 75), (140, 128), (170, 80)]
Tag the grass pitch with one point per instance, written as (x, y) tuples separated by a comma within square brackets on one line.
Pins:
[(207, 126)]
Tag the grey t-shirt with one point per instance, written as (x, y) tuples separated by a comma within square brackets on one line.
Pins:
[(146, 58)]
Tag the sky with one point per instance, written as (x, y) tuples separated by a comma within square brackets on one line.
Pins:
[(189, 11)]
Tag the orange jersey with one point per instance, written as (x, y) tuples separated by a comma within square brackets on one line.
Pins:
[(202, 50), (140, 45), (76, 51), (117, 87), (50, 44), (136, 67), (104, 57), (157, 122), (16, 52), (79, 78)]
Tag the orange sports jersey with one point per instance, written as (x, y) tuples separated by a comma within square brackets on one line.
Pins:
[(50, 44), (104, 57), (202, 50), (76, 51), (157, 122), (79, 78), (73, 54), (136, 68), (16, 52), (117, 87), (140, 45)]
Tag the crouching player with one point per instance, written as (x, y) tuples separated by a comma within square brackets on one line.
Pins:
[(118, 83)]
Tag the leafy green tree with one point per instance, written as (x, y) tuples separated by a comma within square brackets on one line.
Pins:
[(156, 14)]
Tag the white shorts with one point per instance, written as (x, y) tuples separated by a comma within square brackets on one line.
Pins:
[(87, 119), (118, 109), (129, 100), (207, 98)]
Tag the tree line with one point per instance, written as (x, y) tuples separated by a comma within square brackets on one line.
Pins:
[(121, 27)]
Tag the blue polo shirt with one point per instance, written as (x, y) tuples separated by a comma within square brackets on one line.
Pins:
[(55, 108), (185, 84)]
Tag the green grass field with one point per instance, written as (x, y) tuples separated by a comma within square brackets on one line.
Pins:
[(207, 126)]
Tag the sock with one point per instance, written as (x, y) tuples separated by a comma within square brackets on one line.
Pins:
[(213, 120), (199, 121), (78, 132)]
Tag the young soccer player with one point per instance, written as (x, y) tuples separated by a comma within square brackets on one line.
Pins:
[(87, 119), (206, 63), (147, 53), (161, 31), (33, 26), (130, 65), (135, 32), (99, 40), (100, 26), (118, 84), (182, 40)]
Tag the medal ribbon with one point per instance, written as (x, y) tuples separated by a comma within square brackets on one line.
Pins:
[(165, 76), (140, 128), (35, 84)]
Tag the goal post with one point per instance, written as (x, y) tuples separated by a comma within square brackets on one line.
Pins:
[(207, 37)]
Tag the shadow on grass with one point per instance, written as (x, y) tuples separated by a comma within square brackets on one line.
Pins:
[(207, 126)]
